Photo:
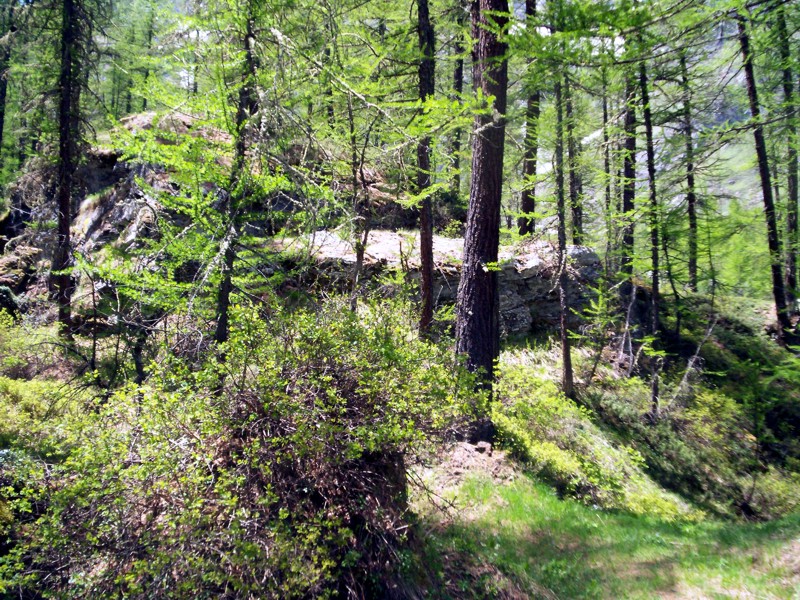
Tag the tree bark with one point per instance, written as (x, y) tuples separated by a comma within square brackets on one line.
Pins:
[(628, 183), (773, 238), (567, 383), (573, 153), (477, 313), (654, 225), (607, 174), (526, 222), (791, 158), (691, 194), (68, 133), (151, 23), (458, 89), (427, 67)]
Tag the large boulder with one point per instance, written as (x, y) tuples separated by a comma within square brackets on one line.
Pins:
[(527, 278)]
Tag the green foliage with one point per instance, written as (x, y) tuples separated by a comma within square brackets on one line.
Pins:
[(30, 410), (288, 482), (708, 450), (25, 350), (525, 542), (558, 440)]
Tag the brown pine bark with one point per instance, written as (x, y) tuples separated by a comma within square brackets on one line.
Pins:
[(68, 133), (477, 312), (773, 238), (426, 70)]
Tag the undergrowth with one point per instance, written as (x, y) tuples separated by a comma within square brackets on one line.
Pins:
[(286, 481), (526, 542), (725, 440)]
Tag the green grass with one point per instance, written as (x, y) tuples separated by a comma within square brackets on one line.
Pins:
[(553, 548)]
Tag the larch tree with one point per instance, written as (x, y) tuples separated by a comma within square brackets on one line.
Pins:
[(238, 184), (527, 222), (647, 117), (72, 44), (477, 311), (567, 379), (426, 73), (691, 186), (788, 82), (757, 126)]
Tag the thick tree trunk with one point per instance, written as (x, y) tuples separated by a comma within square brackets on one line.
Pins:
[(427, 68), (691, 194), (526, 222), (573, 154), (567, 384), (68, 132), (773, 239), (477, 313), (791, 159)]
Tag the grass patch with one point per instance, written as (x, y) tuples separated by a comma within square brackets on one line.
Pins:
[(558, 548)]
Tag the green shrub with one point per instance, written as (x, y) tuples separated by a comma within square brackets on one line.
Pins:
[(557, 439), (31, 411), (288, 481)]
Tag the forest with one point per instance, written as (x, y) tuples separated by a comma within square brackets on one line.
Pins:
[(373, 299)]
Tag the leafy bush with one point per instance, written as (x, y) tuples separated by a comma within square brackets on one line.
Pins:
[(30, 409), (26, 351), (558, 441), (286, 481)]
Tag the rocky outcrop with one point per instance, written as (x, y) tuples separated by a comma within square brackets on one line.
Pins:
[(118, 210), (527, 276)]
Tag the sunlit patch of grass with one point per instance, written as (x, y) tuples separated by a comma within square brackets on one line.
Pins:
[(563, 549)]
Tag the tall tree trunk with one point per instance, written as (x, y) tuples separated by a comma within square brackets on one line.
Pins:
[(246, 106), (628, 183), (427, 68), (773, 239), (5, 58), (653, 194), (647, 115), (68, 132), (607, 168), (477, 313), (458, 89), (567, 384), (573, 152), (526, 222), (791, 158), (691, 194)]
